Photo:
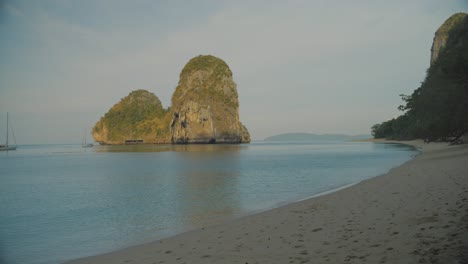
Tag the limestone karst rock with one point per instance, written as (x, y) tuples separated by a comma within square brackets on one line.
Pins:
[(205, 104), (205, 109), (442, 34)]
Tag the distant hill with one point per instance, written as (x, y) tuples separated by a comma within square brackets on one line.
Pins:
[(310, 137)]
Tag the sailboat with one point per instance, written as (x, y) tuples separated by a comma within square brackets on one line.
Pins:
[(6, 146), (86, 145)]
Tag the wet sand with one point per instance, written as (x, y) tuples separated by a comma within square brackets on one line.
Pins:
[(416, 213)]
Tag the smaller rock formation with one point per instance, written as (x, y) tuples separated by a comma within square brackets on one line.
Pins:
[(138, 117)]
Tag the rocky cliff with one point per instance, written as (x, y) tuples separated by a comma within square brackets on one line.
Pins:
[(437, 110), (138, 116), (442, 35), (205, 105)]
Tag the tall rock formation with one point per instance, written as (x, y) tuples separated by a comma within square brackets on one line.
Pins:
[(205, 105), (138, 116), (442, 35)]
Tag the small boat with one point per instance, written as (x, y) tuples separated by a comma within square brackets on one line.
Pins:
[(84, 144), (6, 146)]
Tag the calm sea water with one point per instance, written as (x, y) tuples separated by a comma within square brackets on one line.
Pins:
[(60, 202)]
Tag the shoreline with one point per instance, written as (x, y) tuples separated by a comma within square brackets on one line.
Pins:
[(390, 218)]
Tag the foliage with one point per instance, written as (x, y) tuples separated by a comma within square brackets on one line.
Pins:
[(135, 116), (438, 109), (205, 63), (201, 80), (451, 22)]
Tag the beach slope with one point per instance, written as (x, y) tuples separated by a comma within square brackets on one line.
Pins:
[(416, 213)]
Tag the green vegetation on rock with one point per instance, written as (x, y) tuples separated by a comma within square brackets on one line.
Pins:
[(206, 63), (201, 78), (452, 22), (438, 109), (140, 115)]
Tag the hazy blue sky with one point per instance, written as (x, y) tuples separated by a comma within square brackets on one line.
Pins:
[(316, 66)]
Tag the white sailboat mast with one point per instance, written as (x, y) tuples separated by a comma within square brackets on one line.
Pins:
[(6, 129)]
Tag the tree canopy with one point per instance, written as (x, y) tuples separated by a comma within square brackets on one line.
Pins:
[(438, 109), (134, 117)]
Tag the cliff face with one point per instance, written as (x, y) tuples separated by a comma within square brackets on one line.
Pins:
[(442, 35), (205, 106), (138, 116), (438, 109)]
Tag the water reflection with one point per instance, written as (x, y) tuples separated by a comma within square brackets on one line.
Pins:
[(393, 146), (168, 187), (207, 198), (207, 183), (170, 147)]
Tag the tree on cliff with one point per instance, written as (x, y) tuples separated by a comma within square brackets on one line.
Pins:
[(438, 109)]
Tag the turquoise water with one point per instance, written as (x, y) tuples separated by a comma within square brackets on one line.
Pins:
[(60, 202)]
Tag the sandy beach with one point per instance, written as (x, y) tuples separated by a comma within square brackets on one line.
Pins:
[(416, 213)]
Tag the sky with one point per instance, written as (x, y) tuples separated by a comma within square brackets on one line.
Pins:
[(318, 66)]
